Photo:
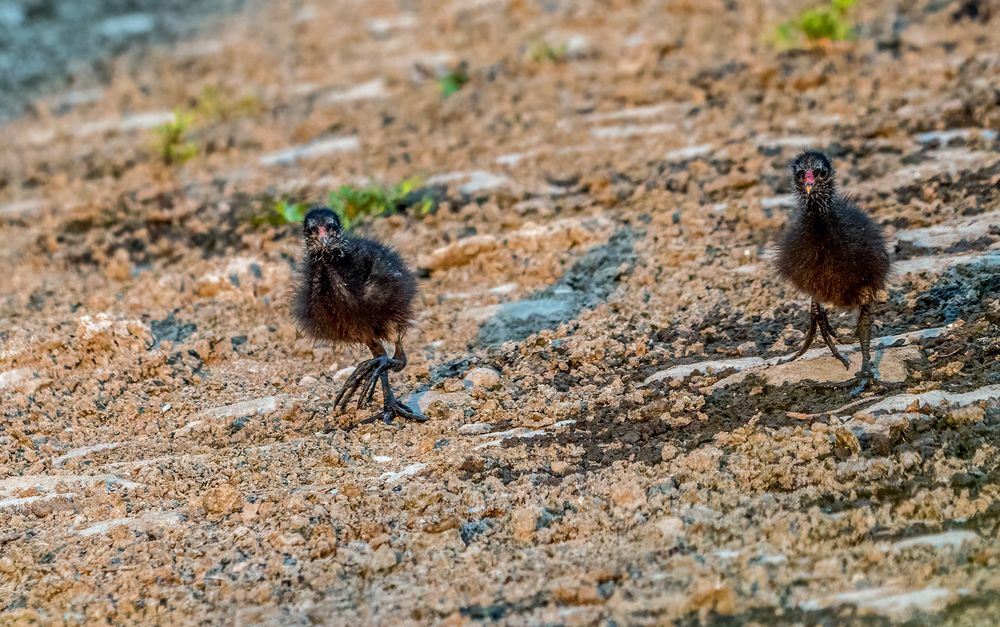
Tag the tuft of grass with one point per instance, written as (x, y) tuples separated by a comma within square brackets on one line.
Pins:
[(352, 204), (170, 140), (214, 104), (542, 51), (453, 82), (830, 22), (282, 212)]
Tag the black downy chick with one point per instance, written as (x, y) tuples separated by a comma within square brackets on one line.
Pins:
[(354, 290), (835, 253)]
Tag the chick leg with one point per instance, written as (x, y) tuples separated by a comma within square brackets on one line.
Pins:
[(824, 319), (865, 375), (864, 331), (391, 407), (366, 373), (367, 376), (828, 335), (810, 335)]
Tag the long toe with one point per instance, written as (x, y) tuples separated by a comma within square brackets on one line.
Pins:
[(353, 382), (403, 411), (368, 392)]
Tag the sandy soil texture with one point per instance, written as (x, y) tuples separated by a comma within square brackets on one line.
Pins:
[(611, 441)]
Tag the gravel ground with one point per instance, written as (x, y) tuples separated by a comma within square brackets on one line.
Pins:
[(610, 439)]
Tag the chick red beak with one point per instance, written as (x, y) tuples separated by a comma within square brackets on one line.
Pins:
[(321, 232), (809, 180)]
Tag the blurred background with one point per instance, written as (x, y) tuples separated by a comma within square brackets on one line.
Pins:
[(589, 191)]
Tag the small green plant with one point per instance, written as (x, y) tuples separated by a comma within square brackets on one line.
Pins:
[(452, 82), (824, 23), (170, 139), (541, 51), (281, 213), (214, 104), (352, 204), (290, 212)]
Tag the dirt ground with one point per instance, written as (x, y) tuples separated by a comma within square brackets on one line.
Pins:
[(610, 441)]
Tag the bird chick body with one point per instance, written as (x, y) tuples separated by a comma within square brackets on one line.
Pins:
[(838, 257), (355, 290), (360, 292), (834, 252)]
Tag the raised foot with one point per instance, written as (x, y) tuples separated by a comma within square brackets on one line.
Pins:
[(366, 374)]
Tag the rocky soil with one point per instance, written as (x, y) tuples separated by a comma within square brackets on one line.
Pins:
[(611, 441)]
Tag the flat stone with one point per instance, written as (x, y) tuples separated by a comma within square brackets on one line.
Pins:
[(784, 201), (14, 502), (48, 483), (890, 365), (934, 398), (382, 26), (647, 111), (682, 371), (132, 122), (521, 433), (253, 407), (13, 378), (83, 452), (263, 405), (148, 520), (472, 181), (365, 91), (686, 154), (949, 539), (632, 130), (944, 235), (476, 428), (515, 158), (790, 141), (953, 161), (423, 400), (947, 136), (312, 150), (742, 364), (504, 289), (392, 478), (18, 208), (941, 263), (888, 600)]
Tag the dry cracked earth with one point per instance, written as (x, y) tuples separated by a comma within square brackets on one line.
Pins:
[(611, 439)]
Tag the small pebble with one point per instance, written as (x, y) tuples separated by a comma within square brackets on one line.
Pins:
[(482, 379)]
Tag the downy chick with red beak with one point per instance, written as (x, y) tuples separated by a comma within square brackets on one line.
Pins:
[(834, 253), (354, 290)]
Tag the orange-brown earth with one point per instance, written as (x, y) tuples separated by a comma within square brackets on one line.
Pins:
[(607, 443)]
